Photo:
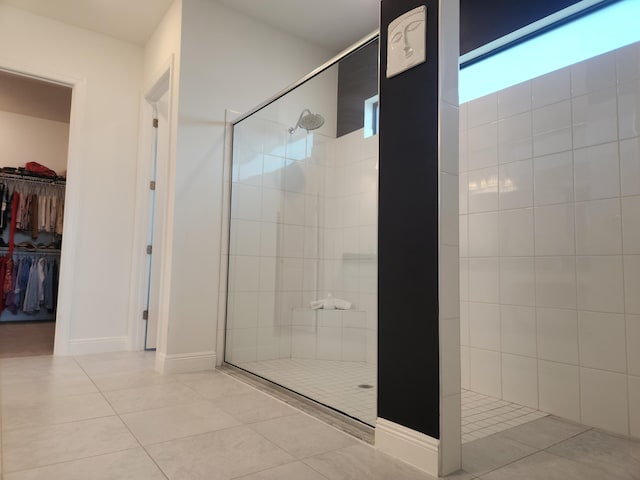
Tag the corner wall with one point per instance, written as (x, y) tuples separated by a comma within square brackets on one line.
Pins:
[(550, 242), (227, 61), (96, 279), (418, 303)]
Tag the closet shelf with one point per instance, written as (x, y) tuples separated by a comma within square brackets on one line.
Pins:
[(23, 250), (56, 182)]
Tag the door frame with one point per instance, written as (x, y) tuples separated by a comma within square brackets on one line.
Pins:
[(162, 82), (72, 191)]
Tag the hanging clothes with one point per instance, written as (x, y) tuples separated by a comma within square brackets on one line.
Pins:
[(34, 217), (29, 277), (10, 299)]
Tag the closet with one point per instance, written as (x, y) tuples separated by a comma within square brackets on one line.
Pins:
[(34, 132), (31, 221)]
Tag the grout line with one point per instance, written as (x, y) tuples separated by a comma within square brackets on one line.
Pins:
[(575, 245), (622, 230), (123, 422)]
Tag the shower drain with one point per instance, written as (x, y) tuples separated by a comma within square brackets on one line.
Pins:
[(366, 386)]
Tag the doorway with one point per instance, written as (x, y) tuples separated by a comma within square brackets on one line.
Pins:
[(34, 127)]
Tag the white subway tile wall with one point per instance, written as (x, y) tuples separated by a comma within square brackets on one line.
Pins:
[(550, 243)]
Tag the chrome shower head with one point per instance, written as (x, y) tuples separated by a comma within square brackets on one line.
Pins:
[(308, 121)]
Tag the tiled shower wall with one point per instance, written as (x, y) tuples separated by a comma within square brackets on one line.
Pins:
[(303, 224), (550, 242)]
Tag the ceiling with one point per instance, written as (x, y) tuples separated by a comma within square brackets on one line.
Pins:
[(129, 20), (333, 24)]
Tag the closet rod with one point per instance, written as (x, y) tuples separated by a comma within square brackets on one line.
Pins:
[(32, 252), (27, 178)]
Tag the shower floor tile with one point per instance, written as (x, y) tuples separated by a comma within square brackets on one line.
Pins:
[(483, 415), (332, 383), (336, 384)]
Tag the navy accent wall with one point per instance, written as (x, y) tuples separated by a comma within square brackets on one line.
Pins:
[(357, 81), (408, 348)]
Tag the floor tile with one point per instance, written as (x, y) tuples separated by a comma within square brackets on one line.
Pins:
[(36, 447), (489, 453), (218, 455), (544, 432), (460, 475), (253, 407), (291, 471), (363, 462), (111, 363), (132, 464), (19, 392), (598, 448), (219, 386), (483, 415), (39, 369), (170, 423), (150, 397), (40, 411), (303, 436), (198, 376), (331, 382), (545, 466), (124, 380)]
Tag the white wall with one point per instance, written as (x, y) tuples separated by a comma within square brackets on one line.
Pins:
[(550, 242), (226, 61), (99, 226), (161, 54), (30, 139)]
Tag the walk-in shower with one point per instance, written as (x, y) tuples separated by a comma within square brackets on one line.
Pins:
[(303, 229)]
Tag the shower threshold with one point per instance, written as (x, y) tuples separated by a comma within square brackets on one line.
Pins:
[(322, 412)]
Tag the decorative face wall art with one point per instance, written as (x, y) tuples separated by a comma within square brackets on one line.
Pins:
[(406, 41)]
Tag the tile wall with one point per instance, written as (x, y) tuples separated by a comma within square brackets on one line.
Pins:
[(550, 242), (303, 224)]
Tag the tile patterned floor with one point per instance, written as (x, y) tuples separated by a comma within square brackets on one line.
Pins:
[(336, 383), (332, 383), (111, 417), (483, 416)]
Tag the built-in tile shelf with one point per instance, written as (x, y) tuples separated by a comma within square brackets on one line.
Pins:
[(359, 257)]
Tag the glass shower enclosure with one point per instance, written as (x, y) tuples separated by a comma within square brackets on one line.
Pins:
[(302, 278)]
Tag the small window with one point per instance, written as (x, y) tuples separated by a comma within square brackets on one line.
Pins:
[(371, 116), (545, 49)]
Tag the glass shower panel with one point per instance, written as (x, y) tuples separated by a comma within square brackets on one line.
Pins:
[(304, 235)]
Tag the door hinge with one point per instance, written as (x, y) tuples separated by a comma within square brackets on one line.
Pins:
[(155, 123), (149, 249), (152, 185), (145, 315)]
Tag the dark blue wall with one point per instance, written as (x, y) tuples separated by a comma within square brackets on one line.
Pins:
[(408, 366)]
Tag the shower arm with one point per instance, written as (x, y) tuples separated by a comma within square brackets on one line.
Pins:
[(293, 129)]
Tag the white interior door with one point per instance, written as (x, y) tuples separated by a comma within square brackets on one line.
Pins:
[(160, 159)]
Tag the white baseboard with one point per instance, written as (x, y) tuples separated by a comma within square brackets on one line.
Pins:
[(87, 346), (185, 362), (414, 448)]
